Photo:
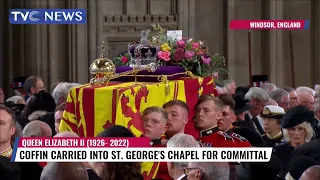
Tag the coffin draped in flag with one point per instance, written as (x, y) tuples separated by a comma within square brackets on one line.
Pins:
[(92, 108)]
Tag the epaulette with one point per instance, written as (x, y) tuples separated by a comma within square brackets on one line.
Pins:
[(239, 137), (225, 135)]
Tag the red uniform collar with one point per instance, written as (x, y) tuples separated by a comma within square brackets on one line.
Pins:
[(42, 164), (209, 131)]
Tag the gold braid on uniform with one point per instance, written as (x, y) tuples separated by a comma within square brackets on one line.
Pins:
[(275, 136), (7, 153)]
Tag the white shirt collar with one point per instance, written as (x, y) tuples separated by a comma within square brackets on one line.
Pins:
[(182, 176)]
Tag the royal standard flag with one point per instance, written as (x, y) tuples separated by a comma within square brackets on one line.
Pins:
[(90, 109)]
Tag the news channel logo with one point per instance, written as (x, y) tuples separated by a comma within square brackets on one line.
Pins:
[(47, 16)]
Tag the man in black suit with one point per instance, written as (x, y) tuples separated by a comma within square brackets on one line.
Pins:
[(316, 122), (258, 98)]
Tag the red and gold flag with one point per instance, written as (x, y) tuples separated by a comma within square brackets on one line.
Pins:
[(90, 109)]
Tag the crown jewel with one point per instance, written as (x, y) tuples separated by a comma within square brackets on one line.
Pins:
[(142, 53)]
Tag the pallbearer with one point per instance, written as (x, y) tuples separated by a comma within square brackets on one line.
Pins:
[(208, 112), (228, 117), (154, 127), (177, 117), (225, 124)]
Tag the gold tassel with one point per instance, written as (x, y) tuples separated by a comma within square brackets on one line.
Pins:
[(164, 79)]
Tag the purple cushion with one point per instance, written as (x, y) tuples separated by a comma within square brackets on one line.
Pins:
[(162, 70)]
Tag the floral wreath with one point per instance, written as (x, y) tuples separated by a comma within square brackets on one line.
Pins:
[(193, 55)]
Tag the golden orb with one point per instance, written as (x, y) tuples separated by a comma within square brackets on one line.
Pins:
[(103, 66)]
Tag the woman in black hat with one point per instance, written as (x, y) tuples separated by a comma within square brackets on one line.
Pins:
[(297, 130)]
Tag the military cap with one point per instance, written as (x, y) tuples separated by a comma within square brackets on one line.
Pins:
[(271, 111), (296, 116)]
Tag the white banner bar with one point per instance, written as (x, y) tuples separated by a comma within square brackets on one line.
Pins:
[(142, 155)]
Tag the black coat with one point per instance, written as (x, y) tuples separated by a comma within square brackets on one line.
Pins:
[(283, 152), (316, 128), (273, 142), (49, 119), (30, 170), (249, 123), (310, 149), (92, 175)]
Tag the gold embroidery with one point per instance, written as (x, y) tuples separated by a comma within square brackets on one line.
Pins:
[(274, 136), (7, 153)]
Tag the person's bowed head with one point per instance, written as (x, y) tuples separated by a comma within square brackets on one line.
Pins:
[(193, 173)]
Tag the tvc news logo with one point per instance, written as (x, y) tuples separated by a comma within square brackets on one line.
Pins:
[(47, 16)]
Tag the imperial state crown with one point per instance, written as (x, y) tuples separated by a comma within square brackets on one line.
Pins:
[(142, 53)]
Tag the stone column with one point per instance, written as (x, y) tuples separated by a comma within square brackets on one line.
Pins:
[(36, 63), (276, 46), (92, 30), (187, 17), (315, 40), (301, 45), (2, 41), (238, 63), (58, 47), (14, 46), (210, 28), (232, 56), (79, 45)]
